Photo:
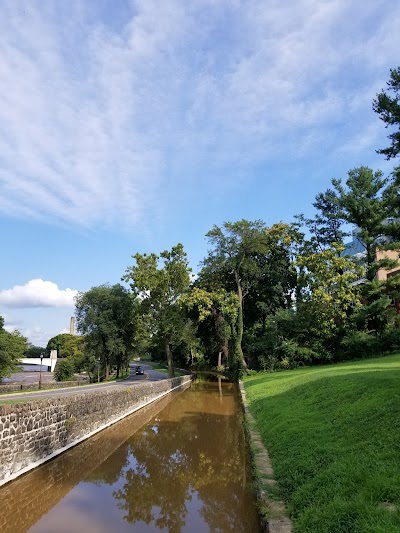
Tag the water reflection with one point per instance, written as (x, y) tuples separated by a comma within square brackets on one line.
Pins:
[(193, 454), (184, 471)]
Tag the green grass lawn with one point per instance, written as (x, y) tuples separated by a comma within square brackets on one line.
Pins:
[(333, 434)]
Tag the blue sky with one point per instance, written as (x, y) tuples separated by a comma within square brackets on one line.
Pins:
[(129, 126)]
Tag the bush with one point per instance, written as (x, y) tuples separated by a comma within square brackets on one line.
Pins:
[(389, 341), (359, 344), (64, 369), (291, 355), (79, 361)]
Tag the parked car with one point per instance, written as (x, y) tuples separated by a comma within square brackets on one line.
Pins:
[(139, 371)]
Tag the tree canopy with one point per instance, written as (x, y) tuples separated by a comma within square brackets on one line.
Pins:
[(266, 297), (387, 105), (158, 282), (106, 316), (12, 348)]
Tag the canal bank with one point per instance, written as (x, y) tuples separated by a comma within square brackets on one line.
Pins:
[(31, 433), (273, 513), (185, 469)]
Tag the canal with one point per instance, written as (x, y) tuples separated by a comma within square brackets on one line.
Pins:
[(178, 465)]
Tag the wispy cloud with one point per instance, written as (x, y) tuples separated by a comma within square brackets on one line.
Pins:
[(37, 293), (99, 112)]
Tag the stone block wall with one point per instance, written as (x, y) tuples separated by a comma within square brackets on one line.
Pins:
[(17, 387), (32, 432)]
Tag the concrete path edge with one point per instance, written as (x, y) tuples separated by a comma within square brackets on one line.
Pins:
[(274, 518)]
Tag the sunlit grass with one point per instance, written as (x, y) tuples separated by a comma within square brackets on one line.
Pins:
[(333, 433)]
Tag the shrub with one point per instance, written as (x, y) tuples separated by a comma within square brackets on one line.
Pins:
[(79, 361), (390, 340), (64, 369), (358, 344), (291, 355)]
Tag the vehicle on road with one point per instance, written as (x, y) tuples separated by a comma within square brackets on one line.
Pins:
[(139, 371)]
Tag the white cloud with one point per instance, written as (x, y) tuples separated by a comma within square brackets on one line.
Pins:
[(36, 335), (96, 115), (37, 293)]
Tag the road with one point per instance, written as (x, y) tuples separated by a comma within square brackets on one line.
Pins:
[(149, 375)]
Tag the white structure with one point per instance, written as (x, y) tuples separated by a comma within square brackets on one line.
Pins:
[(50, 362)]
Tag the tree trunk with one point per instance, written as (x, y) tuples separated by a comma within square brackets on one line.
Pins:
[(168, 352), (219, 360), (370, 260), (225, 349), (240, 323)]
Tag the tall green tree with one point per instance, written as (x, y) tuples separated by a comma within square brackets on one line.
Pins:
[(326, 227), (106, 316), (363, 203), (222, 308), (65, 344), (367, 202), (387, 105), (158, 282), (12, 348), (330, 293), (233, 263)]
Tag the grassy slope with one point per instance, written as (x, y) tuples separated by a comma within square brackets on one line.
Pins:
[(333, 434)]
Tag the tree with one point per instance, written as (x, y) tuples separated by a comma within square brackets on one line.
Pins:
[(387, 105), (326, 227), (158, 282), (65, 344), (105, 314), (363, 204), (34, 351), (255, 262), (233, 264), (64, 369), (222, 307), (12, 348), (330, 294)]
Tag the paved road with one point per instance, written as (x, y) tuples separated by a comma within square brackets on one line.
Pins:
[(149, 375)]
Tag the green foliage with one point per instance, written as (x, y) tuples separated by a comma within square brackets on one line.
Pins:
[(106, 316), (12, 348), (256, 263), (80, 361), (332, 434), (389, 341), (158, 282), (291, 355), (220, 309), (326, 228), (65, 344), (329, 292), (364, 205), (34, 351), (64, 369), (358, 345), (387, 105)]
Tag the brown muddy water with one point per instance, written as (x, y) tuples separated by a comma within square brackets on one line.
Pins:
[(178, 465)]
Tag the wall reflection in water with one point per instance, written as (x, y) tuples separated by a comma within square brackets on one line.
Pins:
[(184, 470)]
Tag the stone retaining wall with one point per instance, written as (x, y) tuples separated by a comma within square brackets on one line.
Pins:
[(31, 433), (17, 387)]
